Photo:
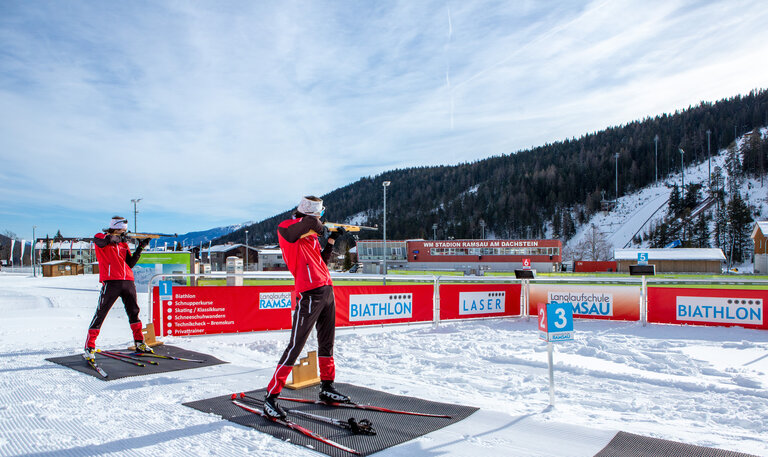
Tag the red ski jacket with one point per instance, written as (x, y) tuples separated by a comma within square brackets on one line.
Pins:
[(114, 256), (302, 254)]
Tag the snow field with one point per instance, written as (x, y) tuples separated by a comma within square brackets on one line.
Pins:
[(700, 385)]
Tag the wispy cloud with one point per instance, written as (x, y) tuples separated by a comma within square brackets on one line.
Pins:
[(216, 113)]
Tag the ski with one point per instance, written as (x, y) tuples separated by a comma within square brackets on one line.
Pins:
[(126, 356), (366, 407), (147, 354), (357, 427), (294, 426), (107, 354), (96, 367)]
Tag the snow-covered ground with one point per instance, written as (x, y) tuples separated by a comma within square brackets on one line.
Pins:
[(699, 385)]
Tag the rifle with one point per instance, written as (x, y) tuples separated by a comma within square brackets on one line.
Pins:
[(139, 235), (334, 226)]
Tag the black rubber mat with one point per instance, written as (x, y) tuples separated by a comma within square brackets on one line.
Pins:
[(392, 429), (116, 369), (629, 445)]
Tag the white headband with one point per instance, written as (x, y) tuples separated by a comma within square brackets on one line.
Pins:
[(118, 224), (311, 207)]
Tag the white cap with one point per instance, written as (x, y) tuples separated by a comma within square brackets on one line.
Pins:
[(311, 207), (118, 223)]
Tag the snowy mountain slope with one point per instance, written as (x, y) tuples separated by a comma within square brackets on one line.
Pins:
[(636, 213), (195, 238), (699, 385)]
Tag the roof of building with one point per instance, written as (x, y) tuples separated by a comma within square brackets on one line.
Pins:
[(58, 262), (763, 226), (227, 248), (671, 254), (270, 251)]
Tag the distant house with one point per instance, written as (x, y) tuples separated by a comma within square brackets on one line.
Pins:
[(62, 268), (677, 260), (760, 238), (271, 260), (216, 256)]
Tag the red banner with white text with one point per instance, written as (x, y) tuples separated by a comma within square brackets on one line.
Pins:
[(465, 301), (221, 309), (369, 305), (720, 307)]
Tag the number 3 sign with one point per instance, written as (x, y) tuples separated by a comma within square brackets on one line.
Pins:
[(556, 321)]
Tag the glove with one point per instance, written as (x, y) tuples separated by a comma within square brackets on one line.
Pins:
[(143, 243), (339, 232)]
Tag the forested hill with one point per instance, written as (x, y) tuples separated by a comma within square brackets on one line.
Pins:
[(518, 194)]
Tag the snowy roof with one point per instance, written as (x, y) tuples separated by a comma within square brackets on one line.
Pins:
[(54, 245), (270, 251), (227, 247), (58, 262), (671, 254), (763, 226)]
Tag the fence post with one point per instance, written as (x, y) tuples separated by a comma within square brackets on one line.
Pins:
[(436, 303), (644, 301)]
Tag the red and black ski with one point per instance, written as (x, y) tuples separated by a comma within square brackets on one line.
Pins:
[(108, 354), (366, 407), (126, 356), (357, 427), (148, 354), (294, 426)]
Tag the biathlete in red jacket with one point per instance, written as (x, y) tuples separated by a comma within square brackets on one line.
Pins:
[(115, 274), (315, 306)]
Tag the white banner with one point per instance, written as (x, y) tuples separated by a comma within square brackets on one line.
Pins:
[(21, 257), (10, 256)]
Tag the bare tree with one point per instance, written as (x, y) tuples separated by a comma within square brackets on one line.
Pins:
[(593, 247)]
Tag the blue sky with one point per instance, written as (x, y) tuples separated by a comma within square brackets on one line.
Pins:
[(216, 113)]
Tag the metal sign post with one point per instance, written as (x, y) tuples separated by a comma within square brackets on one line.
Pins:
[(555, 324)]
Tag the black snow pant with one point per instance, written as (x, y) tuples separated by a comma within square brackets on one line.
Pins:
[(110, 292), (315, 308)]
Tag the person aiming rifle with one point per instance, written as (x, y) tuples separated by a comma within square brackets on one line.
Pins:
[(115, 274), (315, 305)]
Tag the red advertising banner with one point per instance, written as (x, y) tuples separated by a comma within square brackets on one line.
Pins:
[(719, 307), (368, 305), (464, 301), (221, 309), (590, 301)]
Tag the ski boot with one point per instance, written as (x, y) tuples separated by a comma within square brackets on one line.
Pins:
[(143, 348), (89, 354), (272, 409), (329, 394)]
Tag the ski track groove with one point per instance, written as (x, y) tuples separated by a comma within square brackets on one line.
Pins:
[(32, 425)]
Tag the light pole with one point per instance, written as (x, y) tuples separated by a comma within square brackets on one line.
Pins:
[(135, 212), (384, 186), (34, 243), (656, 155), (482, 227), (434, 231), (709, 161), (246, 250), (617, 176)]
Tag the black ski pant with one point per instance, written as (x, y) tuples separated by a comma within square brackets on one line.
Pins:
[(110, 292), (315, 308)]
